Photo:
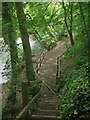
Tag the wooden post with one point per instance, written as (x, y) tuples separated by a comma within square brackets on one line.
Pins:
[(60, 67), (25, 85), (37, 68), (57, 67)]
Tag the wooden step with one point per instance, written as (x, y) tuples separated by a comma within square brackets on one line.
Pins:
[(44, 117), (54, 101), (49, 96), (48, 106), (50, 99), (48, 92), (47, 102), (47, 112)]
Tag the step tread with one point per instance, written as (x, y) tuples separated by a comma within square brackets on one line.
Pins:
[(49, 110), (47, 103), (51, 101), (46, 112), (44, 116), (49, 97)]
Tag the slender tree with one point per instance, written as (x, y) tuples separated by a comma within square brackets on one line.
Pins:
[(69, 28), (13, 52), (25, 41), (89, 42), (83, 19)]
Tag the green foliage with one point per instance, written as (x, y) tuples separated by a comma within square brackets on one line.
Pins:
[(44, 23), (74, 95), (73, 88)]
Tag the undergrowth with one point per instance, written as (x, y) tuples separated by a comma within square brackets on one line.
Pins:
[(73, 87)]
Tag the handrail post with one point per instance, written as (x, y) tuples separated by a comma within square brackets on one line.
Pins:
[(40, 62), (25, 85), (37, 68), (60, 68), (57, 67)]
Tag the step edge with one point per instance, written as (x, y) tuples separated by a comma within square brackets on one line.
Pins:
[(45, 116)]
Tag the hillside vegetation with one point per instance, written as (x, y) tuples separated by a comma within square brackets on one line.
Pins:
[(73, 84)]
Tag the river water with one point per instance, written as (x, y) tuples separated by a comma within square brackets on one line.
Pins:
[(35, 47)]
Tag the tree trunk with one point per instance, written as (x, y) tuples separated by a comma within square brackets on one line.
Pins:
[(83, 19), (69, 28), (13, 52), (71, 20), (89, 42), (25, 41), (71, 38)]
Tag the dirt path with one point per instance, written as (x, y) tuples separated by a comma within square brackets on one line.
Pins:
[(47, 71)]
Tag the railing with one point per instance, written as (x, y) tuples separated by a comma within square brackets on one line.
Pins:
[(27, 105), (50, 88), (40, 62), (58, 72)]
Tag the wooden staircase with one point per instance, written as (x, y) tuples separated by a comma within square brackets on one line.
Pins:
[(43, 106), (47, 106)]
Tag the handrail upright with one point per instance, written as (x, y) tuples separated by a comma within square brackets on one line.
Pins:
[(58, 73), (40, 62)]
